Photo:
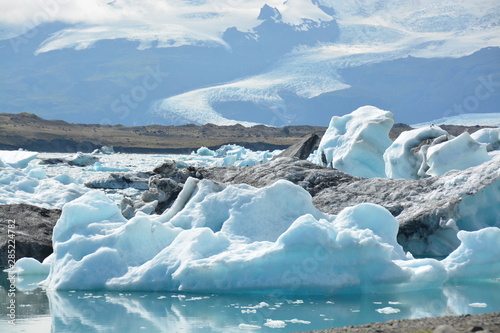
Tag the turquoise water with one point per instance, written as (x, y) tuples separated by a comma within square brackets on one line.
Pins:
[(46, 311)]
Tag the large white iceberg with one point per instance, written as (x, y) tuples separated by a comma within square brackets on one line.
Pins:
[(240, 238), (355, 143)]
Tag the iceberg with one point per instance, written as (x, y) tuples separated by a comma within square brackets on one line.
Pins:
[(488, 136), (481, 263), (237, 238), (459, 153), (232, 154), (355, 143), (17, 158), (401, 161)]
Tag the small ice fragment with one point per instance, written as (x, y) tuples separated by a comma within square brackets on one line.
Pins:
[(298, 321), (388, 310), (478, 305), (248, 327), (274, 323), (299, 301)]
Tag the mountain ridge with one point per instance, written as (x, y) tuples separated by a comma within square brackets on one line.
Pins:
[(31, 132)]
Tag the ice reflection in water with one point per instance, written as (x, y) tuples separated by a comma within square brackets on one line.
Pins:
[(162, 312), (167, 312)]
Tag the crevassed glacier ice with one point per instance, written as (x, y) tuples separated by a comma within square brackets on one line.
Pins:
[(400, 160), (355, 143), (238, 238)]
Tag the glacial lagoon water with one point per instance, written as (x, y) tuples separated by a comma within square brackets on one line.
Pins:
[(38, 310)]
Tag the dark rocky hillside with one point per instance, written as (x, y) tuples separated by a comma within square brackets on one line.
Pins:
[(28, 131)]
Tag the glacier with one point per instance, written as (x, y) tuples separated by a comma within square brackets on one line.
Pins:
[(240, 61)]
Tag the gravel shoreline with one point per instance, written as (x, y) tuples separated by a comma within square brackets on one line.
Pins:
[(486, 322)]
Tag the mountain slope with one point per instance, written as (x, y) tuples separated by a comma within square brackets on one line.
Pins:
[(271, 62)]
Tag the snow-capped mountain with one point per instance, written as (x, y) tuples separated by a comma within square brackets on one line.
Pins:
[(249, 62)]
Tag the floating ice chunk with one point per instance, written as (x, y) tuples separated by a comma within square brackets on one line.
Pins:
[(478, 256), (204, 151), (297, 321), (37, 173), (388, 310), (17, 158), (80, 159), (355, 143), (488, 136), (107, 168), (400, 160), (478, 305), (275, 323), (459, 153), (258, 306), (30, 266), (228, 155), (248, 327), (107, 150), (65, 179), (231, 150)]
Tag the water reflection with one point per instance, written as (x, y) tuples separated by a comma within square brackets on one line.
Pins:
[(164, 312)]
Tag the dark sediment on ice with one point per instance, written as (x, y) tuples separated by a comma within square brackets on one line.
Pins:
[(33, 231)]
